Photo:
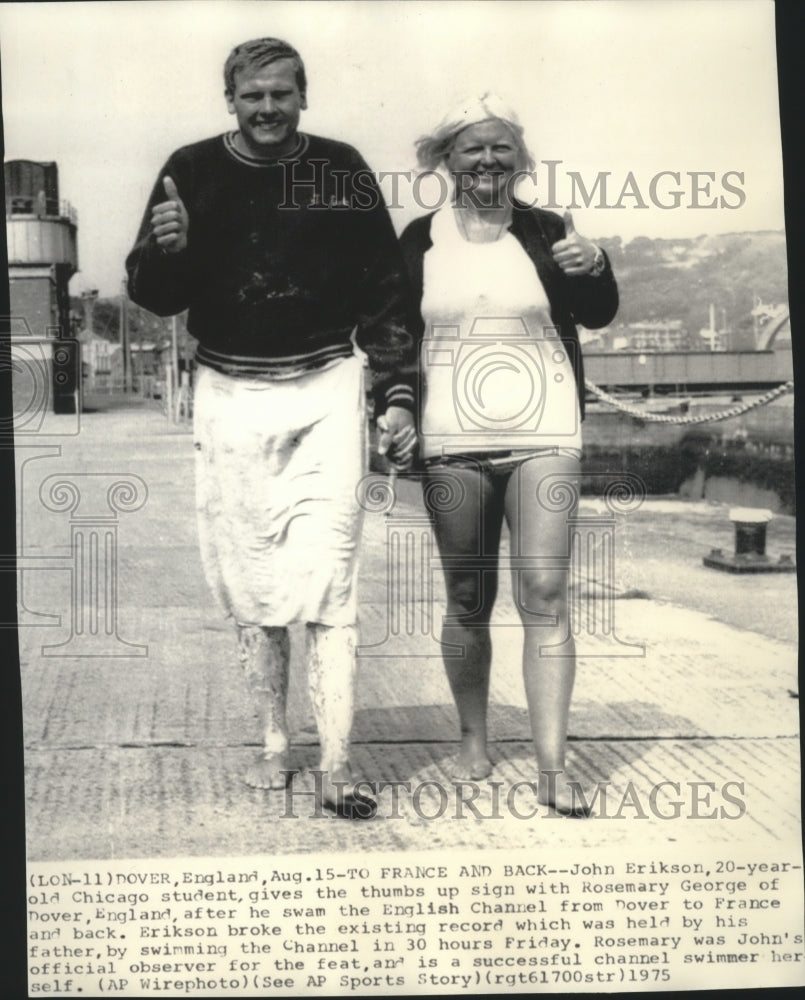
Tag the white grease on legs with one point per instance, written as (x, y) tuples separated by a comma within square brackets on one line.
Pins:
[(331, 679), (264, 653)]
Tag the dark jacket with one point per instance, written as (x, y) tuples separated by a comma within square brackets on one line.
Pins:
[(285, 259), (590, 301)]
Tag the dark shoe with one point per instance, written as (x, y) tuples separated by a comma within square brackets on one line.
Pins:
[(573, 812), (350, 804)]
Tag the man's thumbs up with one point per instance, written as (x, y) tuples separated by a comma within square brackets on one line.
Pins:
[(172, 192), (169, 220), (570, 229)]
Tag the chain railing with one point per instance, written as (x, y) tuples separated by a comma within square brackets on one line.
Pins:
[(701, 418)]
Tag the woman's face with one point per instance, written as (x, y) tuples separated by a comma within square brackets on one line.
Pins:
[(483, 159)]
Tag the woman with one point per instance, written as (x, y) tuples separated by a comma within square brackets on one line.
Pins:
[(500, 287)]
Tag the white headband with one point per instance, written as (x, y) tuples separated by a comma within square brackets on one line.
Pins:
[(472, 110)]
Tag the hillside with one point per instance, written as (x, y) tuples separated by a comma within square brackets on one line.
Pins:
[(679, 279), (658, 279)]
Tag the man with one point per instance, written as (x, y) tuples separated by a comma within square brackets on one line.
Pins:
[(279, 245)]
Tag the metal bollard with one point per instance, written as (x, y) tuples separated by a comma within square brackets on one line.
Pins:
[(750, 545)]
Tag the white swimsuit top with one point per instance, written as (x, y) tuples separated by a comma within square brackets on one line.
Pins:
[(497, 375)]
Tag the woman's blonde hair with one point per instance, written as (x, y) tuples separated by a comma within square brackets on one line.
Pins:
[(432, 149)]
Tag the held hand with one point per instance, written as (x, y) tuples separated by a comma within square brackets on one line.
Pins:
[(574, 254), (170, 221), (397, 437)]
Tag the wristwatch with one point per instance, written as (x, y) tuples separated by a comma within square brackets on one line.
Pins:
[(599, 263)]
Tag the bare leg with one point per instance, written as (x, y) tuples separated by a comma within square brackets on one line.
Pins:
[(468, 677), (264, 653), (540, 535), (331, 680), (468, 535)]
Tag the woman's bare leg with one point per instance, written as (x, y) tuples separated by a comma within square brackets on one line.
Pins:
[(468, 538), (541, 538)]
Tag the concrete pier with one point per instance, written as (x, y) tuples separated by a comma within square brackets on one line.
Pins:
[(138, 725)]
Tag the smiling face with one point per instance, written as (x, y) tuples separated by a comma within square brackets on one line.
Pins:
[(483, 159), (267, 103)]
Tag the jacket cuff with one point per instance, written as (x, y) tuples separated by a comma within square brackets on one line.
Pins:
[(397, 394)]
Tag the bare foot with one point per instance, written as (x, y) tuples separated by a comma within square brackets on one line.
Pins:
[(266, 769), (562, 793), (471, 764)]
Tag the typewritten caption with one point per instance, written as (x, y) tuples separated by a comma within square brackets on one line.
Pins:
[(370, 924)]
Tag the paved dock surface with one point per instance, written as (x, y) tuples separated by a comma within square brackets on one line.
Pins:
[(137, 733)]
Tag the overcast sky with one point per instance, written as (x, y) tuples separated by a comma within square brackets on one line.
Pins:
[(109, 90)]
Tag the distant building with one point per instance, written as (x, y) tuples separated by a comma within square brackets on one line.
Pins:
[(659, 335), (146, 358), (100, 360), (42, 247), (647, 336), (42, 237)]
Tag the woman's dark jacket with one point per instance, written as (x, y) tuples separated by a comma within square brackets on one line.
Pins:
[(590, 301)]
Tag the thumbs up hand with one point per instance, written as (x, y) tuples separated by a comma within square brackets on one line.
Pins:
[(574, 254), (169, 220)]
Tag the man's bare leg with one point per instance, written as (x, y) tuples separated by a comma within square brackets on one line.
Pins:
[(331, 678), (265, 654)]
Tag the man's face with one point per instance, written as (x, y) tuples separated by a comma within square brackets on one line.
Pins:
[(267, 102)]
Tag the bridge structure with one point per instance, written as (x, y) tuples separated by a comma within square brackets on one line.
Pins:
[(693, 372), (686, 372), (769, 333)]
